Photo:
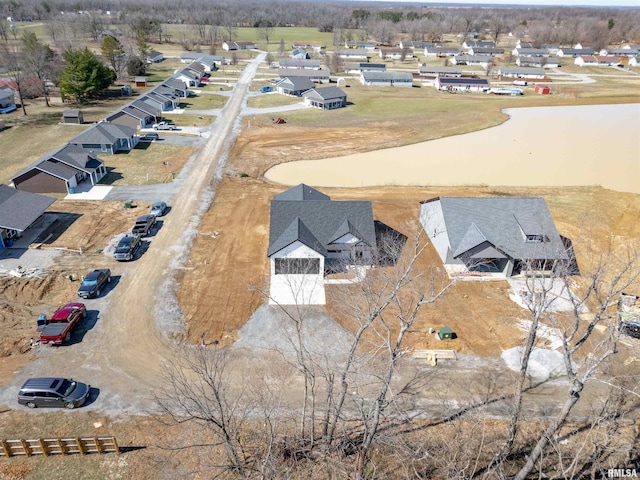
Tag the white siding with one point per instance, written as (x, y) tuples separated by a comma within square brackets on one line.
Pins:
[(291, 289)]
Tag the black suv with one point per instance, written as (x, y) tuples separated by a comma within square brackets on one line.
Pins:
[(94, 282), (126, 249), (53, 392)]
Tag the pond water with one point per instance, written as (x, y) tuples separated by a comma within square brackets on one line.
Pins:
[(537, 146)]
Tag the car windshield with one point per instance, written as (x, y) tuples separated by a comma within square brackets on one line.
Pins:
[(123, 247), (89, 283), (66, 388)]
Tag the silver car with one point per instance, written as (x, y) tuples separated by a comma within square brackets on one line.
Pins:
[(53, 392)]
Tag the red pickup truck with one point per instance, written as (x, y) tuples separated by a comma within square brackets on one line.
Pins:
[(58, 328)]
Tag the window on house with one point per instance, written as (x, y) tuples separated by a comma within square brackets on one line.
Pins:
[(297, 266)]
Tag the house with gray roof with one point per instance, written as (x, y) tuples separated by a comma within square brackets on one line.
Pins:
[(434, 71), (386, 79), (60, 171), (543, 62), (482, 60), (106, 137), (462, 84), (166, 102), (154, 56), (177, 86), (353, 53), (522, 72), (294, 86), (19, 210), (209, 62), (308, 233), (298, 63), (188, 77), (326, 98), (320, 75), (359, 67), (530, 52), (574, 52), (491, 51), (366, 45), (439, 51), (493, 236)]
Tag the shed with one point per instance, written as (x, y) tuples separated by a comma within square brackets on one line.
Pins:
[(445, 333), (542, 89), (140, 81), (72, 116), (126, 91)]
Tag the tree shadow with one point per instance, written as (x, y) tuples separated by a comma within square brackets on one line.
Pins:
[(390, 244)]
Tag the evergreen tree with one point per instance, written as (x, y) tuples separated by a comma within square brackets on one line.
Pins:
[(84, 75), (112, 52)]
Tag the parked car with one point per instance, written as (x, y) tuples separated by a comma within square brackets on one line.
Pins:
[(126, 249), (143, 225), (58, 328), (94, 282), (158, 209), (149, 137), (53, 392), (164, 126)]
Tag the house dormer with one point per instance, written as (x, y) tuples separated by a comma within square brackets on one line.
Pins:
[(531, 230)]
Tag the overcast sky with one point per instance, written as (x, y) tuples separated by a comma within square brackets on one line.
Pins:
[(602, 3)]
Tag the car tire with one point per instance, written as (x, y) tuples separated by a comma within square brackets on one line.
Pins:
[(69, 405), (97, 295), (84, 314), (109, 279), (30, 405), (67, 338)]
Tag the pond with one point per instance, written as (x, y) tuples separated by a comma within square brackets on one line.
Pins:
[(537, 146)]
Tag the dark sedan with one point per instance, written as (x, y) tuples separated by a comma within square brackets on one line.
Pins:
[(94, 283)]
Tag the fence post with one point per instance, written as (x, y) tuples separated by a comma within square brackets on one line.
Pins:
[(98, 446), (61, 445), (115, 443), (5, 448), (24, 444), (43, 447), (80, 447)]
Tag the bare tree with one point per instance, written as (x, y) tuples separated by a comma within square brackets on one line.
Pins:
[(39, 60), (265, 30), (11, 60)]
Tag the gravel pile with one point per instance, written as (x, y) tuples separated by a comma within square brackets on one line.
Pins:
[(269, 328), (543, 364)]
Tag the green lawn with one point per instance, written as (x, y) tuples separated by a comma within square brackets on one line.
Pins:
[(272, 100), (204, 102)]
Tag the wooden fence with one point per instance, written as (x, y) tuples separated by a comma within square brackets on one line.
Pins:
[(58, 446)]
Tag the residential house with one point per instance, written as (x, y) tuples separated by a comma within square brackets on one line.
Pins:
[(480, 60), (634, 61), (626, 51), (574, 52), (359, 67), (386, 79), (209, 62), (244, 45), (553, 48), (308, 234), (437, 51), (106, 137), (299, 53), (154, 56), (468, 44), (141, 115), (189, 77), (434, 71), (320, 75), (418, 45), (298, 63), (491, 51), (353, 54), (395, 53), (294, 86), (542, 62), (326, 98), (462, 84), (597, 61), (72, 116), (530, 52), (178, 87), (367, 45), (521, 44), (492, 236), (60, 171), (168, 100), (314, 45), (522, 72), (19, 210)]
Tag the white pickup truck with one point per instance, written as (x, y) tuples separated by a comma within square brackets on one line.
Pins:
[(164, 126)]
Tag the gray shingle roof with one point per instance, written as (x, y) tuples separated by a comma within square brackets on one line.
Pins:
[(503, 224), (296, 83), (384, 76), (19, 209), (56, 169), (311, 217), (103, 133), (77, 157), (326, 93), (174, 83), (463, 81)]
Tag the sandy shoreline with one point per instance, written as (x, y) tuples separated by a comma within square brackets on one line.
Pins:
[(537, 146)]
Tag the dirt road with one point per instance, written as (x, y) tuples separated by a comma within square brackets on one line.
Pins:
[(123, 350)]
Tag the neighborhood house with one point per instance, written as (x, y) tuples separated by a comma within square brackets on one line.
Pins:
[(18, 211), (311, 234), (493, 236)]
